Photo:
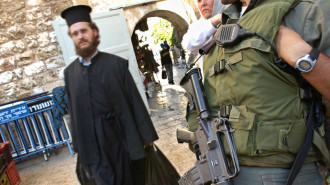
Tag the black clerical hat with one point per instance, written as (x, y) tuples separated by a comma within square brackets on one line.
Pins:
[(74, 14)]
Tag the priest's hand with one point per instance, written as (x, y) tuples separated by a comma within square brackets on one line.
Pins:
[(149, 144)]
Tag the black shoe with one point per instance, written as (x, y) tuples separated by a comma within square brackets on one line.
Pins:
[(171, 83)]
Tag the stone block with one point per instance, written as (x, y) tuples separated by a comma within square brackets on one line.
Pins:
[(9, 89), (34, 2), (28, 55), (43, 39), (15, 32), (6, 20), (13, 5), (47, 52), (54, 63), (39, 80), (29, 28), (45, 25), (32, 42), (3, 38), (51, 76), (26, 83), (5, 65), (11, 48), (24, 63), (47, 11), (19, 47), (34, 68), (33, 14), (18, 73), (6, 49), (6, 77), (20, 17), (13, 60), (60, 5)]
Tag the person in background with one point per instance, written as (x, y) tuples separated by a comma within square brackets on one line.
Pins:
[(167, 63), (175, 54), (166, 45), (183, 58), (110, 124), (200, 32)]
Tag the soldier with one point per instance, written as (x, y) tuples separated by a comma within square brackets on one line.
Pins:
[(267, 110)]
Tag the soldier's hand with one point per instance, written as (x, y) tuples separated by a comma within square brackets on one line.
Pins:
[(216, 20)]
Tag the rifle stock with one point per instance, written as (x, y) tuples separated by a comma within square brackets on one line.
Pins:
[(213, 165)]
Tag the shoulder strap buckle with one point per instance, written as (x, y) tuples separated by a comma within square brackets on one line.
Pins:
[(218, 67)]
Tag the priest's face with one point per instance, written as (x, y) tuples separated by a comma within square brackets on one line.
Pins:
[(85, 38)]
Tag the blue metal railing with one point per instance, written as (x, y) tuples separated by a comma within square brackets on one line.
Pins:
[(28, 125)]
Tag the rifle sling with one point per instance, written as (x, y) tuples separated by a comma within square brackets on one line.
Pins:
[(305, 146)]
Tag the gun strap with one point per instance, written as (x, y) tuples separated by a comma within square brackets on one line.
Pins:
[(305, 146)]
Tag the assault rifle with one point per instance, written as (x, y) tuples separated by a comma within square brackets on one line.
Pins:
[(209, 140)]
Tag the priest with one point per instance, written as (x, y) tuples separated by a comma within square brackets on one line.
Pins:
[(110, 123)]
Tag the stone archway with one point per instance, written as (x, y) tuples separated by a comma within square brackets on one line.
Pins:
[(173, 11), (177, 21), (179, 13)]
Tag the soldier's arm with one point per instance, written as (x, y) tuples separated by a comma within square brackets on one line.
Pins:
[(291, 47)]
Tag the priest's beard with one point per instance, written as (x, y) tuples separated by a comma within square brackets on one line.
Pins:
[(90, 50)]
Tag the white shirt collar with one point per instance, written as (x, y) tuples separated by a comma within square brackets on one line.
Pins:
[(242, 10), (87, 63)]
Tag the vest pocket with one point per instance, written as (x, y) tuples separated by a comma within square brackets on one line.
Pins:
[(248, 53), (254, 137), (242, 121), (279, 136)]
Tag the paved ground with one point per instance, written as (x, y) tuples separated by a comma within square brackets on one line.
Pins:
[(167, 108)]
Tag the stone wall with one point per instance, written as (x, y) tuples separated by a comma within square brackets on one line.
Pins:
[(30, 58)]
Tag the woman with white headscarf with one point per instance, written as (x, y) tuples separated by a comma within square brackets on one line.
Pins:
[(201, 31)]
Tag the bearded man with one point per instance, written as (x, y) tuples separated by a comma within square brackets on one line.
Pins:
[(110, 124)]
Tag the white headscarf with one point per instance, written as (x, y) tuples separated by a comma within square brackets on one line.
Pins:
[(217, 7)]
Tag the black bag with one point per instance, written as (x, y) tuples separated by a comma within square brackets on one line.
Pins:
[(159, 170), (164, 76)]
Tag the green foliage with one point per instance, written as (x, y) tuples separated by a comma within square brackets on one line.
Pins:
[(163, 31)]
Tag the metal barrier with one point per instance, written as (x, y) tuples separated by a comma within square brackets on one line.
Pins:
[(29, 127)]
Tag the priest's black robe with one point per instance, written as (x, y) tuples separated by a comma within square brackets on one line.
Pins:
[(107, 113)]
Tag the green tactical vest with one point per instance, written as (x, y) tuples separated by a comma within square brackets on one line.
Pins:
[(267, 113)]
